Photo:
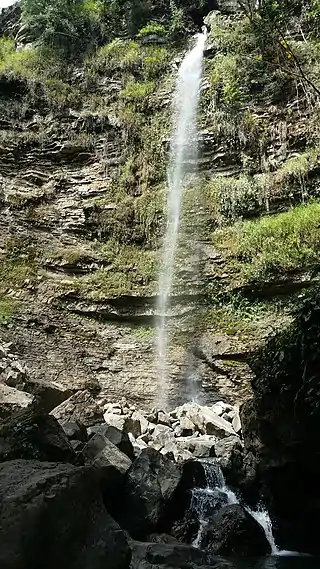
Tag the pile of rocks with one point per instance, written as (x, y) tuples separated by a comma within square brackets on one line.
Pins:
[(190, 431)]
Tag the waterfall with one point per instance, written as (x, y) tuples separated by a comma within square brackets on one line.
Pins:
[(183, 158)]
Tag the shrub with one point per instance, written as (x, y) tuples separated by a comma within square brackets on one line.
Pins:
[(288, 241), (152, 29)]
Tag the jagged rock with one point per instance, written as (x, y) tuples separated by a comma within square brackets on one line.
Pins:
[(151, 482), (137, 424), (232, 530), (117, 437), (206, 420), (186, 427), (173, 556), (115, 420), (164, 419), (75, 431), (49, 394), (79, 407), (12, 400), (52, 516), (161, 436), (102, 453), (31, 435)]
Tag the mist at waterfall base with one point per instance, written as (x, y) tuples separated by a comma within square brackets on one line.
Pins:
[(183, 158), (207, 500)]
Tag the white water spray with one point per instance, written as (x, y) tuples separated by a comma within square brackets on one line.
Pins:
[(183, 156), (206, 500)]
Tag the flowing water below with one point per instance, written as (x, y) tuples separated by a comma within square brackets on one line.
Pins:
[(280, 562), (216, 495)]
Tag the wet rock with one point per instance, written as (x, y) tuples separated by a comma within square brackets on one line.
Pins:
[(12, 400), (79, 407), (31, 435), (52, 516), (172, 556), (49, 394), (186, 427), (150, 483), (232, 530)]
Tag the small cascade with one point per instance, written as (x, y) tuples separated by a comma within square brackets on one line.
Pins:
[(263, 518), (216, 495), (206, 500)]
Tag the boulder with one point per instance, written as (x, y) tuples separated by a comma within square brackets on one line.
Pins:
[(229, 452), (115, 420), (164, 419), (161, 436), (137, 424), (150, 483), (79, 407), (49, 394), (205, 420), (232, 530), (173, 556), (117, 437), (75, 431), (32, 435), (12, 400), (52, 516), (101, 452)]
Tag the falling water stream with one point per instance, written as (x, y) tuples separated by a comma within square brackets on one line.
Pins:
[(217, 494), (183, 157)]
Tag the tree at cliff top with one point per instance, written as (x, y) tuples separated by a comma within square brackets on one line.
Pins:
[(75, 25)]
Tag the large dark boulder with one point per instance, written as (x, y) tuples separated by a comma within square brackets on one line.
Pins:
[(150, 483), (52, 516), (232, 530), (30, 434), (173, 556), (281, 428)]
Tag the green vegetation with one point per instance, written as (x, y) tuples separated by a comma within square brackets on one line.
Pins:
[(7, 309), (274, 246), (131, 270)]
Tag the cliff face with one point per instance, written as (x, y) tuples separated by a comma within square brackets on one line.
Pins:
[(83, 157)]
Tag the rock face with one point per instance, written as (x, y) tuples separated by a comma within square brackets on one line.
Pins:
[(150, 483), (52, 516), (233, 531), (281, 431)]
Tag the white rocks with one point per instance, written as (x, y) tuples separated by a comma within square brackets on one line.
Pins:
[(191, 430), (115, 420), (11, 400), (161, 436), (236, 421)]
